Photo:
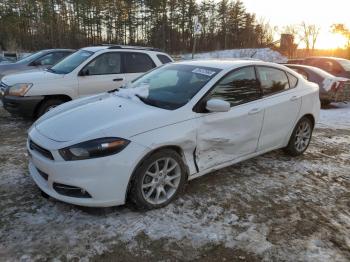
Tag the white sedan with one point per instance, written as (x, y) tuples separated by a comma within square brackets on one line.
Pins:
[(173, 124)]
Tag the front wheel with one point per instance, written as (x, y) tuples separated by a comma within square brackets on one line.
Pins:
[(158, 180), (47, 105), (301, 137)]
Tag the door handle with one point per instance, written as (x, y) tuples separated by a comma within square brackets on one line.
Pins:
[(118, 79), (294, 98), (254, 111)]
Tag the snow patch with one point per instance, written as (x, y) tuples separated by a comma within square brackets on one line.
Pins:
[(133, 93), (264, 54), (337, 117)]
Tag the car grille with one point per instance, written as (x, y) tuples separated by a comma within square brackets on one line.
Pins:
[(70, 191), (43, 174), (2, 88), (44, 152)]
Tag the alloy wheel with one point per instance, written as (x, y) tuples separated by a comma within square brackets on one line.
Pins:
[(161, 180), (303, 136)]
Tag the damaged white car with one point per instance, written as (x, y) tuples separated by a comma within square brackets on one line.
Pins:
[(173, 124)]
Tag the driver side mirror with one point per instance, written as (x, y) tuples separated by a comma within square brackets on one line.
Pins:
[(217, 105)]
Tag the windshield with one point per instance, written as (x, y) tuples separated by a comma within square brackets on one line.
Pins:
[(71, 62), (345, 64), (31, 57), (172, 86)]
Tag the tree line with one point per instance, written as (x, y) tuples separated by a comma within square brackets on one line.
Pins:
[(166, 24)]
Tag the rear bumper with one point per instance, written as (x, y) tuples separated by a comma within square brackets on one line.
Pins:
[(24, 106), (342, 95)]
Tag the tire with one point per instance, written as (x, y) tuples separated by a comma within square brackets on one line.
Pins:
[(47, 105), (143, 182), (300, 138)]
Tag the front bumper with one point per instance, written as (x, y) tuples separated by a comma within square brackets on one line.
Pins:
[(105, 180), (21, 105)]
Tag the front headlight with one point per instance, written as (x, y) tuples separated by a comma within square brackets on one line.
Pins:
[(94, 148), (19, 89)]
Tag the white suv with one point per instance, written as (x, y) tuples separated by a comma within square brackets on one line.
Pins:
[(88, 71)]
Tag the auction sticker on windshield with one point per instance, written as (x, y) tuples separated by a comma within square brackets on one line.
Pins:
[(203, 72)]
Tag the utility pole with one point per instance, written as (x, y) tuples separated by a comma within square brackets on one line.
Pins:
[(197, 31)]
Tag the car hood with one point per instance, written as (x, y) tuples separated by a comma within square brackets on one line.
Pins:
[(30, 77), (102, 115)]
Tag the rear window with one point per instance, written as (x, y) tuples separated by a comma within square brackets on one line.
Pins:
[(138, 63), (164, 59), (272, 80)]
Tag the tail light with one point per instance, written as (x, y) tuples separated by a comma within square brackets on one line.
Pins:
[(334, 86)]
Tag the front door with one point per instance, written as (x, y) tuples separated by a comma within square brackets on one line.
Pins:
[(104, 73), (222, 137)]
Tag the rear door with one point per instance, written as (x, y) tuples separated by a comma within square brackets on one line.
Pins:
[(136, 64), (225, 136), (103, 73), (281, 103)]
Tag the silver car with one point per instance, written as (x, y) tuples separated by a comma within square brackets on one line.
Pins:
[(38, 60)]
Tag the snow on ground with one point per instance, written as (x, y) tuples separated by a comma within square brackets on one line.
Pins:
[(337, 115), (272, 207), (264, 54)]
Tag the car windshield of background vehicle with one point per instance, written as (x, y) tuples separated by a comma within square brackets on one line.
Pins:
[(345, 64), (31, 57), (173, 86), (71, 62)]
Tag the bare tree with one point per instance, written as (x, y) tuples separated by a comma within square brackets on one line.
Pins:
[(309, 35)]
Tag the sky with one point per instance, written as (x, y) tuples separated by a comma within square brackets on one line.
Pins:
[(320, 12)]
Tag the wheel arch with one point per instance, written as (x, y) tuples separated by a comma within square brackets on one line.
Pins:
[(175, 148), (64, 98), (311, 118)]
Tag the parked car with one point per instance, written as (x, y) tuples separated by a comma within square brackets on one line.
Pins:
[(89, 71), (175, 123), (36, 61), (336, 66), (332, 88), (4, 60)]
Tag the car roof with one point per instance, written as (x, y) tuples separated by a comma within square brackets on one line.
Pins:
[(121, 47), (314, 69), (57, 50), (227, 63), (325, 57)]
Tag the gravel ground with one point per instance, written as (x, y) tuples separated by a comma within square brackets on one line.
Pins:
[(270, 208)]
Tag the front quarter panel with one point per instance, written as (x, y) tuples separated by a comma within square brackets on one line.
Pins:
[(181, 135), (66, 85)]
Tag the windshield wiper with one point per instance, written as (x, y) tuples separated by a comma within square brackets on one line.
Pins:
[(146, 100)]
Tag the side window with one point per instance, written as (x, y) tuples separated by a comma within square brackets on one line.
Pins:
[(107, 63), (272, 80), (48, 59), (138, 63), (238, 87), (164, 59), (293, 81)]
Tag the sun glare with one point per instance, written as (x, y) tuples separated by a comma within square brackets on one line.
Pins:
[(331, 41)]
